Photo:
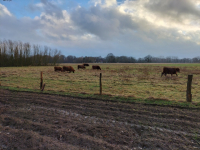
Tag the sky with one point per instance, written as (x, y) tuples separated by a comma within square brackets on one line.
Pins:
[(136, 28)]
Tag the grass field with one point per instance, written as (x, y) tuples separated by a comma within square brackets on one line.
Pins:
[(140, 81)]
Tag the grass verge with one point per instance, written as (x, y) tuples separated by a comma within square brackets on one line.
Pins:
[(104, 97)]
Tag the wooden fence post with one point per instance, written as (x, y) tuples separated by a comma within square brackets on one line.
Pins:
[(41, 82), (43, 87), (188, 92), (100, 84)]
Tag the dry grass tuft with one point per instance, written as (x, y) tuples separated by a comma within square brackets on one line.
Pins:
[(144, 73), (167, 78), (131, 95), (153, 98), (195, 72)]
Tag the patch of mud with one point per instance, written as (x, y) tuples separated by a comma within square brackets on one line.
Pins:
[(40, 121)]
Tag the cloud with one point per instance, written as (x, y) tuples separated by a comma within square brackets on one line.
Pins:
[(103, 22), (48, 7), (172, 9), (133, 28), (104, 3), (23, 29), (4, 11)]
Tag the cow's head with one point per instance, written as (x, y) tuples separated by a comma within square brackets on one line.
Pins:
[(177, 69)]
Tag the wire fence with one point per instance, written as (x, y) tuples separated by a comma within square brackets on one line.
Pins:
[(138, 81)]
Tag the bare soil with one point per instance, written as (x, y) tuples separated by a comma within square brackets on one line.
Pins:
[(42, 121)]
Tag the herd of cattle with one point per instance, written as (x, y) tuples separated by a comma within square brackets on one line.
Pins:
[(71, 69), (166, 70)]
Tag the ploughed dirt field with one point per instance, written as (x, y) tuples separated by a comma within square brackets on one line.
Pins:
[(42, 121)]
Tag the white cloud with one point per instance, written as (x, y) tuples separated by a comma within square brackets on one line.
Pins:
[(103, 3), (39, 5), (4, 11)]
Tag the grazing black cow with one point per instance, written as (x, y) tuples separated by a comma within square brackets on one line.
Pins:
[(86, 65), (81, 66), (96, 67), (58, 68), (68, 68), (171, 71)]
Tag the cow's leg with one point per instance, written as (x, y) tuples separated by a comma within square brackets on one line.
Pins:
[(165, 74)]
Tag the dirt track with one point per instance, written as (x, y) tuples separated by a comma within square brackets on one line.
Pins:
[(40, 121)]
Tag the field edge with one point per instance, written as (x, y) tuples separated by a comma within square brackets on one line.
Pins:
[(104, 97)]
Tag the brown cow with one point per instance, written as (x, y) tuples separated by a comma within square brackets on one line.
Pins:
[(171, 71), (96, 67), (81, 66), (68, 68), (86, 65), (58, 68)]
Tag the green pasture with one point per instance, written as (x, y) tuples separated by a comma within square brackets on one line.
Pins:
[(139, 81)]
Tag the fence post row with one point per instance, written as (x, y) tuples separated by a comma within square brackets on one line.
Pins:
[(188, 92), (100, 84)]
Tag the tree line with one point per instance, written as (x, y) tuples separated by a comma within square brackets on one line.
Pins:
[(17, 53), (110, 58)]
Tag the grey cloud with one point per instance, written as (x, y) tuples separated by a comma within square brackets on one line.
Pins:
[(33, 8), (43, 17), (103, 22), (136, 44), (49, 8), (173, 9), (24, 29)]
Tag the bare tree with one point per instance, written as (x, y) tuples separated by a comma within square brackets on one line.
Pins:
[(56, 56), (27, 51), (45, 55), (11, 52), (4, 54), (16, 54), (148, 59), (20, 53), (110, 58)]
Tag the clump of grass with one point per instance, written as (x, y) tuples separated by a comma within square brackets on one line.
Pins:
[(195, 72), (144, 73)]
